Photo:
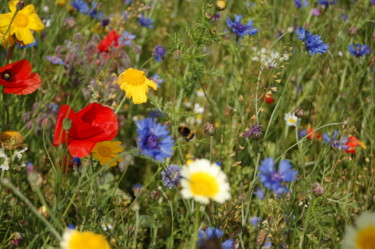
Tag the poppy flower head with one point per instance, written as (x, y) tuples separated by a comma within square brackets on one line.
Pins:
[(111, 40), (81, 131), (17, 78), (352, 143)]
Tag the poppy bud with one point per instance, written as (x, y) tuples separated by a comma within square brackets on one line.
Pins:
[(67, 124)]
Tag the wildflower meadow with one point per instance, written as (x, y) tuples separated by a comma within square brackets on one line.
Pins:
[(187, 124)]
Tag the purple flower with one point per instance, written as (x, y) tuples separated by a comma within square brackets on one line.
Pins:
[(334, 141), (145, 22), (314, 44), (359, 50), (259, 193), (315, 12), (273, 179), (301, 3), (55, 60), (81, 6), (239, 29), (126, 39), (156, 78), (154, 139), (254, 220), (171, 176), (159, 53), (211, 236), (254, 131), (327, 2)]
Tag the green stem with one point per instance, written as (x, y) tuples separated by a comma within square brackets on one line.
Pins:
[(8, 184), (10, 24), (121, 104), (196, 227)]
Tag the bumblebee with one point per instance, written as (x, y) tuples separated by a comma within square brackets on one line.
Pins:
[(186, 133)]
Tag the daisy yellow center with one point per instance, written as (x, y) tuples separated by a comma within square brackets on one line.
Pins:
[(84, 240), (104, 151), (292, 120), (365, 238), (134, 77), (21, 20), (203, 184)]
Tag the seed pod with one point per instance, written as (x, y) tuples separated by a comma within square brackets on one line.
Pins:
[(209, 129), (299, 112)]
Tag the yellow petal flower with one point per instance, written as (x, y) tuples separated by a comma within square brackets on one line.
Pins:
[(106, 151), (135, 84), (74, 239)]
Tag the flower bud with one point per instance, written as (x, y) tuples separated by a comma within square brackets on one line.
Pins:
[(11, 140), (20, 5), (318, 189), (299, 112), (221, 5), (67, 124), (209, 129)]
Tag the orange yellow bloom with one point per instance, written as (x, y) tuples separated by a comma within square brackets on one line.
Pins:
[(25, 21), (74, 239), (135, 84), (107, 151)]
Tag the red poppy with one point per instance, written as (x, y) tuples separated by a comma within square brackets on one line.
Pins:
[(84, 129), (311, 134), (268, 98), (18, 79), (110, 40), (352, 143)]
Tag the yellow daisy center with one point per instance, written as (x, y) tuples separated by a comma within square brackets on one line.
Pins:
[(292, 120), (83, 240), (203, 184), (366, 238), (104, 151), (21, 20), (134, 77)]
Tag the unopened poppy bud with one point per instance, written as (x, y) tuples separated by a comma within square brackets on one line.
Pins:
[(209, 129), (11, 140), (67, 124), (299, 112), (221, 5), (20, 5), (318, 189)]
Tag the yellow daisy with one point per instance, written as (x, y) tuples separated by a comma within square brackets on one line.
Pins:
[(26, 20), (73, 239), (204, 181), (362, 237), (135, 84), (106, 151)]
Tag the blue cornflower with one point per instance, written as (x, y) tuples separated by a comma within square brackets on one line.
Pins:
[(334, 141), (157, 79), (128, 1), (55, 60), (145, 22), (154, 139), (94, 11), (359, 50), (254, 220), (301, 3), (213, 234), (126, 38), (171, 176), (259, 193), (327, 2), (159, 53), (81, 6), (30, 45), (239, 29), (314, 43), (272, 179)]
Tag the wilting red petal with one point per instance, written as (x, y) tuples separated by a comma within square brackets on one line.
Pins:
[(110, 40)]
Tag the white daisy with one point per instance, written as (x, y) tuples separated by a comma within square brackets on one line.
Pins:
[(291, 119), (204, 181), (73, 239), (362, 237), (5, 162)]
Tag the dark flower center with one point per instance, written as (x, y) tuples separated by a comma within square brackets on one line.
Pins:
[(6, 76), (239, 27), (276, 177), (152, 142)]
